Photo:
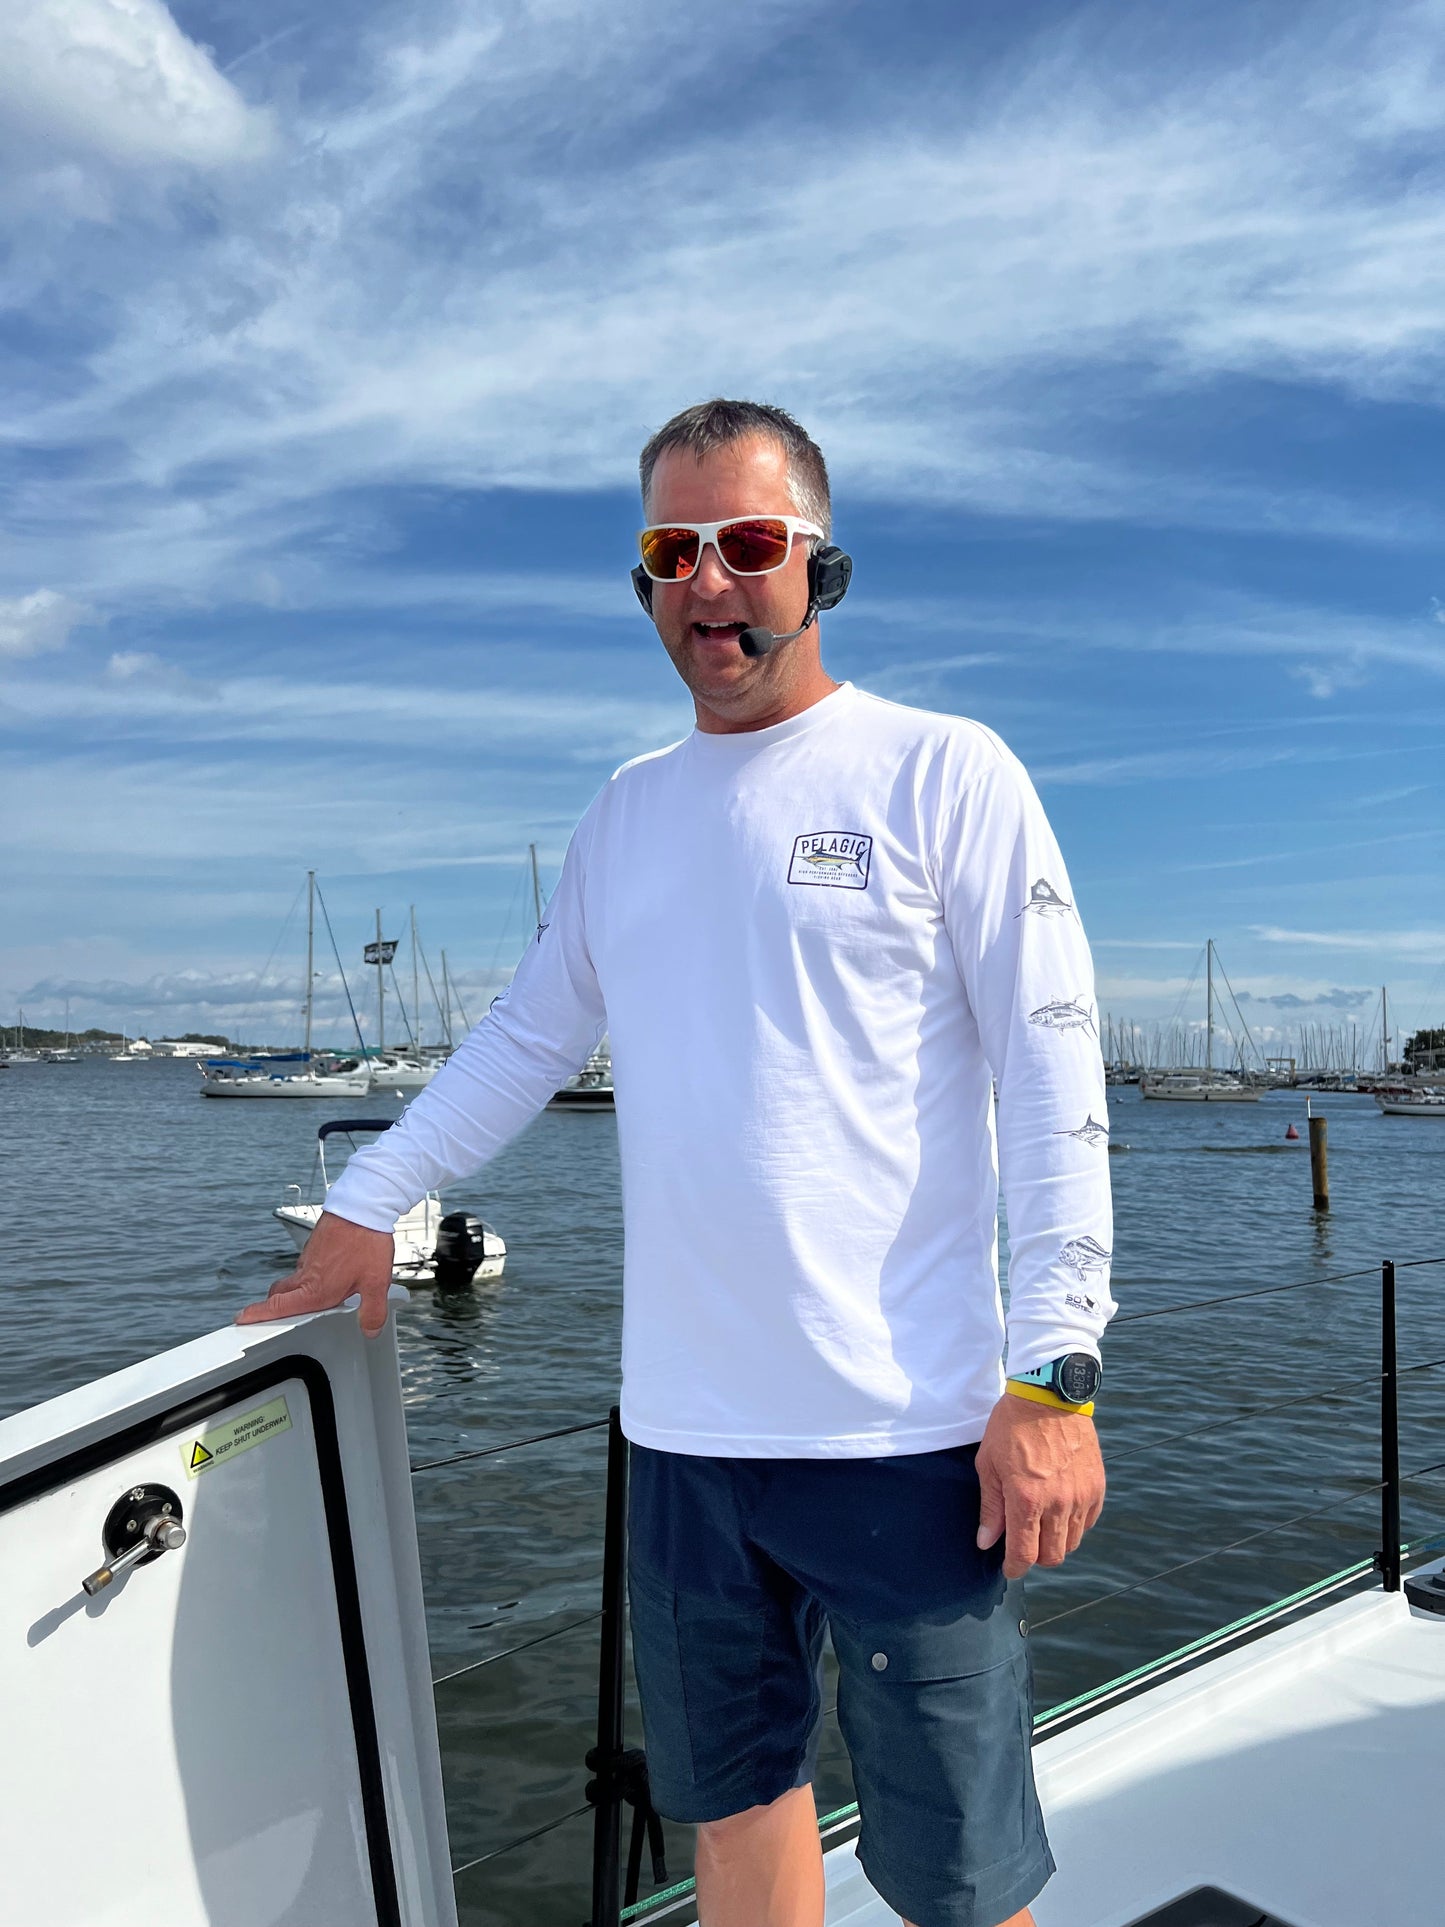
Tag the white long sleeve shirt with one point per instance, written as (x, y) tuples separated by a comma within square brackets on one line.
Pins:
[(817, 949)]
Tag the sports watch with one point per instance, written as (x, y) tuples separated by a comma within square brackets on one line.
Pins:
[(1074, 1379)]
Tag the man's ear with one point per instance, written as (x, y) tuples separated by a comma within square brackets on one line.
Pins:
[(642, 582)]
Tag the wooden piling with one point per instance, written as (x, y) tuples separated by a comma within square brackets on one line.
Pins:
[(1320, 1162)]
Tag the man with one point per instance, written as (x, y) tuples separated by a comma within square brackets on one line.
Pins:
[(820, 930)]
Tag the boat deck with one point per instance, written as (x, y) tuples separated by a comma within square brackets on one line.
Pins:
[(1304, 1773)]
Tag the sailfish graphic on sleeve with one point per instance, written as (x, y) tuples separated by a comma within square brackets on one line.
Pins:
[(1045, 901)]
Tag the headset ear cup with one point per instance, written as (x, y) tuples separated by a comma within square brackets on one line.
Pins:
[(830, 570), (642, 582)]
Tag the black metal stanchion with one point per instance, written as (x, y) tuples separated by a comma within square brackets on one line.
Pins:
[(605, 1791), (1389, 1434), (620, 1772)]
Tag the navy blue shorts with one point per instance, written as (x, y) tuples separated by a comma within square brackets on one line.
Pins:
[(735, 1568)]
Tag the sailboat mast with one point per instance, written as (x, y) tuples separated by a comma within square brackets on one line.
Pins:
[(380, 990), (536, 883), (1209, 1009), (415, 992), (310, 952), (446, 1001), (1384, 1032)]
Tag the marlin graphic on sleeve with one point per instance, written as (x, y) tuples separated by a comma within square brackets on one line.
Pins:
[(1083, 1255), (1045, 901), (1065, 1014), (1088, 1133)]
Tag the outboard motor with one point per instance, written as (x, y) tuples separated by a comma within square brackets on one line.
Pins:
[(460, 1250)]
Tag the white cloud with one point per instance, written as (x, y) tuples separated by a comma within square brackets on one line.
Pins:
[(442, 277), (117, 81), (150, 673), (32, 625), (138, 687), (1324, 680), (1404, 943)]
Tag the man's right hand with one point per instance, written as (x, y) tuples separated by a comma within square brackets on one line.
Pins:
[(340, 1260)]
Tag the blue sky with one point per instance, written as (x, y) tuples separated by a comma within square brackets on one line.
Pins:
[(328, 339)]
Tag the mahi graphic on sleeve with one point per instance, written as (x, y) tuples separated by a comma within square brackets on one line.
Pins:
[(1065, 1014), (1083, 1255), (1089, 1133), (1045, 901)]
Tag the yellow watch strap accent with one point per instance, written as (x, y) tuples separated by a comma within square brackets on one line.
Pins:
[(1042, 1395)]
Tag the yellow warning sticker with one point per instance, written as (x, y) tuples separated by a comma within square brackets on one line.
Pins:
[(236, 1435)]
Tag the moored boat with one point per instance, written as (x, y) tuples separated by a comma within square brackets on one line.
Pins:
[(467, 1244), (251, 1077), (1191, 1087), (1425, 1102), (591, 1089)]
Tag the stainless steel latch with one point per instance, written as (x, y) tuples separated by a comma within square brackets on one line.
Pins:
[(142, 1524)]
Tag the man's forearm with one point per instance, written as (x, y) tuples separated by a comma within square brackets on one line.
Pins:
[(493, 1084)]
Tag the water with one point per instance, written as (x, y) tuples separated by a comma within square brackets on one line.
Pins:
[(138, 1216)]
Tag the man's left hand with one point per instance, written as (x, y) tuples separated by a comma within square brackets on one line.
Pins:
[(1041, 1483)]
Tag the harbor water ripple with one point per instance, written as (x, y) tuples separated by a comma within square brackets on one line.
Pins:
[(138, 1217)]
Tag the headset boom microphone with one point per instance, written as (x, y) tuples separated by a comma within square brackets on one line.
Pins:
[(757, 642)]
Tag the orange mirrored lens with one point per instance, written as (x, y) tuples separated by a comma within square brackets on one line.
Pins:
[(754, 547), (669, 554)]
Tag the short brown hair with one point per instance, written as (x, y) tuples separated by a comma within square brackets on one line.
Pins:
[(714, 424)]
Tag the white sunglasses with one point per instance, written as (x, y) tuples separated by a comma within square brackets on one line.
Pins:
[(746, 544)]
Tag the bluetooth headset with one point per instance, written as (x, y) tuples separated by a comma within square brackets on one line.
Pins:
[(830, 570)]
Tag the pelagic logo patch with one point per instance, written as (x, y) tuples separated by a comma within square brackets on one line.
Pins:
[(836, 859)]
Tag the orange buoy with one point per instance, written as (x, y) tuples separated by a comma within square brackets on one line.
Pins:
[(1292, 1135)]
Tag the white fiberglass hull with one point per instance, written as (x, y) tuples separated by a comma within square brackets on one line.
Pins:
[(416, 1236), (402, 1076), (1418, 1106), (1201, 1094), (302, 1086)]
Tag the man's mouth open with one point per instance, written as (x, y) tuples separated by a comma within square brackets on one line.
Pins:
[(718, 631)]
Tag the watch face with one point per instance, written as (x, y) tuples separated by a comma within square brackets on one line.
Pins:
[(1078, 1377)]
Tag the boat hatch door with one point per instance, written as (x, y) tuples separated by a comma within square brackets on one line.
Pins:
[(232, 1722)]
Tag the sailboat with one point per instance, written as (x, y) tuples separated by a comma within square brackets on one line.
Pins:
[(250, 1077), (19, 1055), (404, 1070), (66, 1053), (1201, 1087), (592, 1088)]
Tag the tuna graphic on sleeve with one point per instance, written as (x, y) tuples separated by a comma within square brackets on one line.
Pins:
[(1045, 901), (1065, 1014), (1089, 1132), (1083, 1255)]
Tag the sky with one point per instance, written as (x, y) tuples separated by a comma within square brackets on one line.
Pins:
[(328, 338)]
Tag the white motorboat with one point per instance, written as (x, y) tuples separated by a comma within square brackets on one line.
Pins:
[(591, 1089), (394, 1072), (1419, 1103), (466, 1242)]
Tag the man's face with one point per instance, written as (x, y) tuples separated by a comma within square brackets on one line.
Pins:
[(700, 619)]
